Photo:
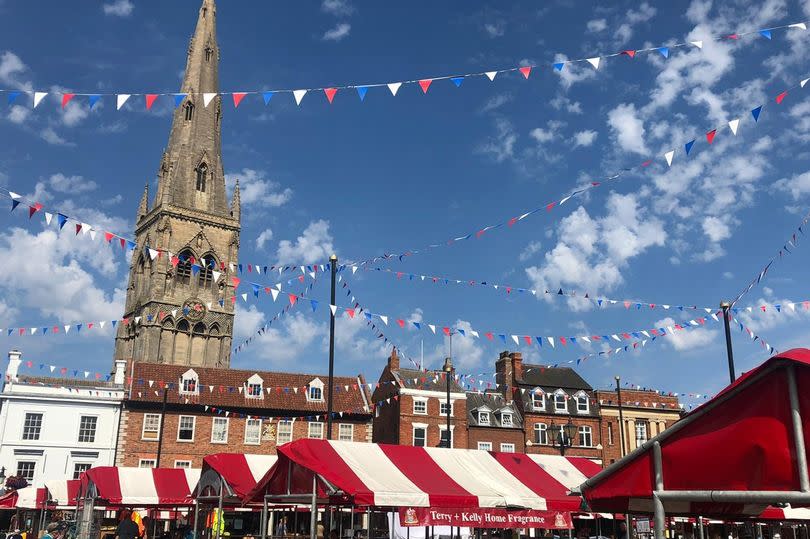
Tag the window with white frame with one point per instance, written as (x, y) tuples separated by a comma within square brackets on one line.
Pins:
[(538, 401), (315, 391), (25, 468), (641, 432), (185, 428), (253, 387), (507, 448), (583, 404), (541, 433), (346, 432), (189, 383), (560, 401), (151, 427), (284, 433), (483, 418), (32, 427), (506, 419), (182, 464), (443, 437), (253, 431), (87, 428), (485, 446), (146, 463), (219, 430), (419, 406), (443, 408), (79, 468), (420, 436), (315, 430), (585, 436)]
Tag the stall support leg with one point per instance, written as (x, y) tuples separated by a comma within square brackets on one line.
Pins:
[(370, 527), (196, 519), (700, 527), (263, 523), (220, 520), (313, 517)]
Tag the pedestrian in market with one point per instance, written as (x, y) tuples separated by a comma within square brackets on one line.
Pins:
[(127, 528)]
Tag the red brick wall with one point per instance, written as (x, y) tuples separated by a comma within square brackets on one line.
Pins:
[(386, 416), (496, 436), (433, 419), (132, 448), (559, 419)]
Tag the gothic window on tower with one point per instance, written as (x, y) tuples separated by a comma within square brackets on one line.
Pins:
[(208, 52), (202, 172), (189, 111), (184, 267), (207, 271)]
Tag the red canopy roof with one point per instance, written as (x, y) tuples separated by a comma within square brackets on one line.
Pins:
[(404, 476), (24, 498), (741, 440), (63, 493), (240, 472), (141, 486)]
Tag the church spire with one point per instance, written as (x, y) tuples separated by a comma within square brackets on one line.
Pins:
[(143, 207), (191, 174)]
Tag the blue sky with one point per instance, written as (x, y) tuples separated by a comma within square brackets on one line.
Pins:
[(393, 173)]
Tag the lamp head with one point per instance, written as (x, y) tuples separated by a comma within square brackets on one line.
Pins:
[(448, 365)]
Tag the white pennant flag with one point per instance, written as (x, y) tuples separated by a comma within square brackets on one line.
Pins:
[(48, 217), (586, 339), (733, 124), (384, 319), (474, 334), (151, 382), (517, 341), (38, 97), (210, 305), (800, 25), (85, 228), (491, 75), (174, 312), (121, 99), (432, 328), (258, 268), (394, 87), (594, 62), (354, 270), (92, 234), (333, 308), (274, 293), (137, 320), (669, 155), (33, 330), (207, 97), (13, 195), (153, 254), (53, 367), (299, 95), (698, 44), (216, 275), (101, 324), (244, 297), (551, 341), (802, 83)]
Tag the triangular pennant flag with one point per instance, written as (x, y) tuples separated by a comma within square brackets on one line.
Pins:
[(237, 98), (559, 66), (33, 209), (698, 44), (755, 113), (48, 218), (802, 83), (526, 70), (94, 98), (733, 124), (12, 96), (330, 93), (457, 81), (361, 91), (425, 84), (491, 75), (208, 97), (120, 100), (267, 96), (799, 25), (150, 100), (781, 97), (293, 298), (66, 99), (38, 97), (664, 51), (299, 95), (631, 53), (594, 62), (765, 33), (688, 146), (710, 135), (669, 155), (394, 87), (178, 98), (333, 308), (61, 219)]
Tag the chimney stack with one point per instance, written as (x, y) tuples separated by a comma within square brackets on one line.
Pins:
[(14, 362), (120, 374), (504, 375), (393, 361)]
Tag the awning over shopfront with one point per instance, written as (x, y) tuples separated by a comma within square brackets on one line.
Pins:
[(741, 451), (62, 493), (424, 477), (140, 487), (237, 473), (24, 498)]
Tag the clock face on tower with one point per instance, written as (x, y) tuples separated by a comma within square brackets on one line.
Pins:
[(194, 309)]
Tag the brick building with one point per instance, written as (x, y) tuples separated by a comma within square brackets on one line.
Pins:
[(206, 409), (549, 398), (414, 409), (646, 414), (493, 424)]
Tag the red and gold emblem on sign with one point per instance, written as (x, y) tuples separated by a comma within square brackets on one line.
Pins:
[(410, 517)]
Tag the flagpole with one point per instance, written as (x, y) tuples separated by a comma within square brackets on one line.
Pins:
[(725, 305), (333, 269)]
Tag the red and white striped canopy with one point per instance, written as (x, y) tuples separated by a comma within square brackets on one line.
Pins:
[(23, 498), (785, 513), (142, 486), (404, 476), (63, 493), (240, 472)]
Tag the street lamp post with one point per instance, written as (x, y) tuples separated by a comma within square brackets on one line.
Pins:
[(621, 415), (448, 373), (563, 436)]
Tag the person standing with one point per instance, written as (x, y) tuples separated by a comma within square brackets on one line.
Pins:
[(127, 528)]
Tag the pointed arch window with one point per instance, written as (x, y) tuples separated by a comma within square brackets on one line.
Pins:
[(184, 267), (202, 173), (207, 270), (189, 110), (208, 52)]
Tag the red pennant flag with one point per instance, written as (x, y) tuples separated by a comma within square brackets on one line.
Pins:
[(489, 336), (710, 135), (33, 209), (293, 298), (551, 205), (78, 228), (237, 98), (175, 261), (90, 325), (108, 236), (236, 281), (123, 243), (250, 268), (150, 100), (425, 84), (526, 70), (401, 323), (626, 304), (301, 278), (733, 36), (512, 221), (630, 53), (646, 163), (780, 98), (446, 330), (161, 315), (330, 93), (528, 340), (66, 99), (350, 312)]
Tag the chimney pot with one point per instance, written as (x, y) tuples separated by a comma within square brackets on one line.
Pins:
[(14, 362)]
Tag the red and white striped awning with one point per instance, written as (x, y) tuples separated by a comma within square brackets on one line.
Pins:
[(141, 486), (785, 513), (404, 476), (62, 493), (239, 472), (23, 498)]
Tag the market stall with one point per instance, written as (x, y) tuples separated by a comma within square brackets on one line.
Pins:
[(427, 486), (23, 498), (63, 493), (741, 451)]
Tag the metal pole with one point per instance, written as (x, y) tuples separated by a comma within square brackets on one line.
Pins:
[(220, 520), (621, 415), (658, 505), (700, 527), (313, 517), (263, 523), (333, 269), (798, 430), (449, 432), (196, 518), (726, 306), (160, 434)]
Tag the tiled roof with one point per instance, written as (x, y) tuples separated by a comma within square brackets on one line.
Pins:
[(496, 404), (221, 388), (64, 382), (429, 381), (552, 378)]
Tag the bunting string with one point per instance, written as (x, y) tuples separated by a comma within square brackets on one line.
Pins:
[(330, 92)]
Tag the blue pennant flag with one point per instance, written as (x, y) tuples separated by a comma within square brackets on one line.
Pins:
[(664, 51), (12, 96), (599, 302), (361, 91), (178, 98), (114, 323), (195, 269), (14, 204), (131, 245), (755, 113), (78, 327), (539, 341), (93, 99), (44, 331), (267, 96), (417, 325), (689, 145), (10, 331), (461, 331), (765, 33), (255, 290), (314, 304), (222, 303), (503, 337), (559, 66), (457, 81)]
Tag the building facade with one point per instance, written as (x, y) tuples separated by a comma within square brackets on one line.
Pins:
[(210, 410), (645, 413), (178, 309), (493, 424), (414, 408), (53, 428)]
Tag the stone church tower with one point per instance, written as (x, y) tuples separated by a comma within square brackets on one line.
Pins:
[(178, 308)]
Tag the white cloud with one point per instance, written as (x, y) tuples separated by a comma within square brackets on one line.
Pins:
[(118, 8), (246, 321), (339, 32), (501, 146), (584, 138), (688, 339), (628, 128), (530, 250), (496, 102), (596, 25), (541, 135), (573, 73), (50, 136), (11, 66), (797, 186), (634, 16), (562, 102), (71, 184), (313, 245), (495, 29), (716, 229), (338, 8), (467, 353), (18, 114), (254, 189), (264, 237), (286, 338)]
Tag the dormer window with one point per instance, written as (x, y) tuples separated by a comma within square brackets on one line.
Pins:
[(506, 419), (583, 404), (315, 391), (202, 173), (189, 383), (560, 401), (538, 401), (483, 418), (253, 388)]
